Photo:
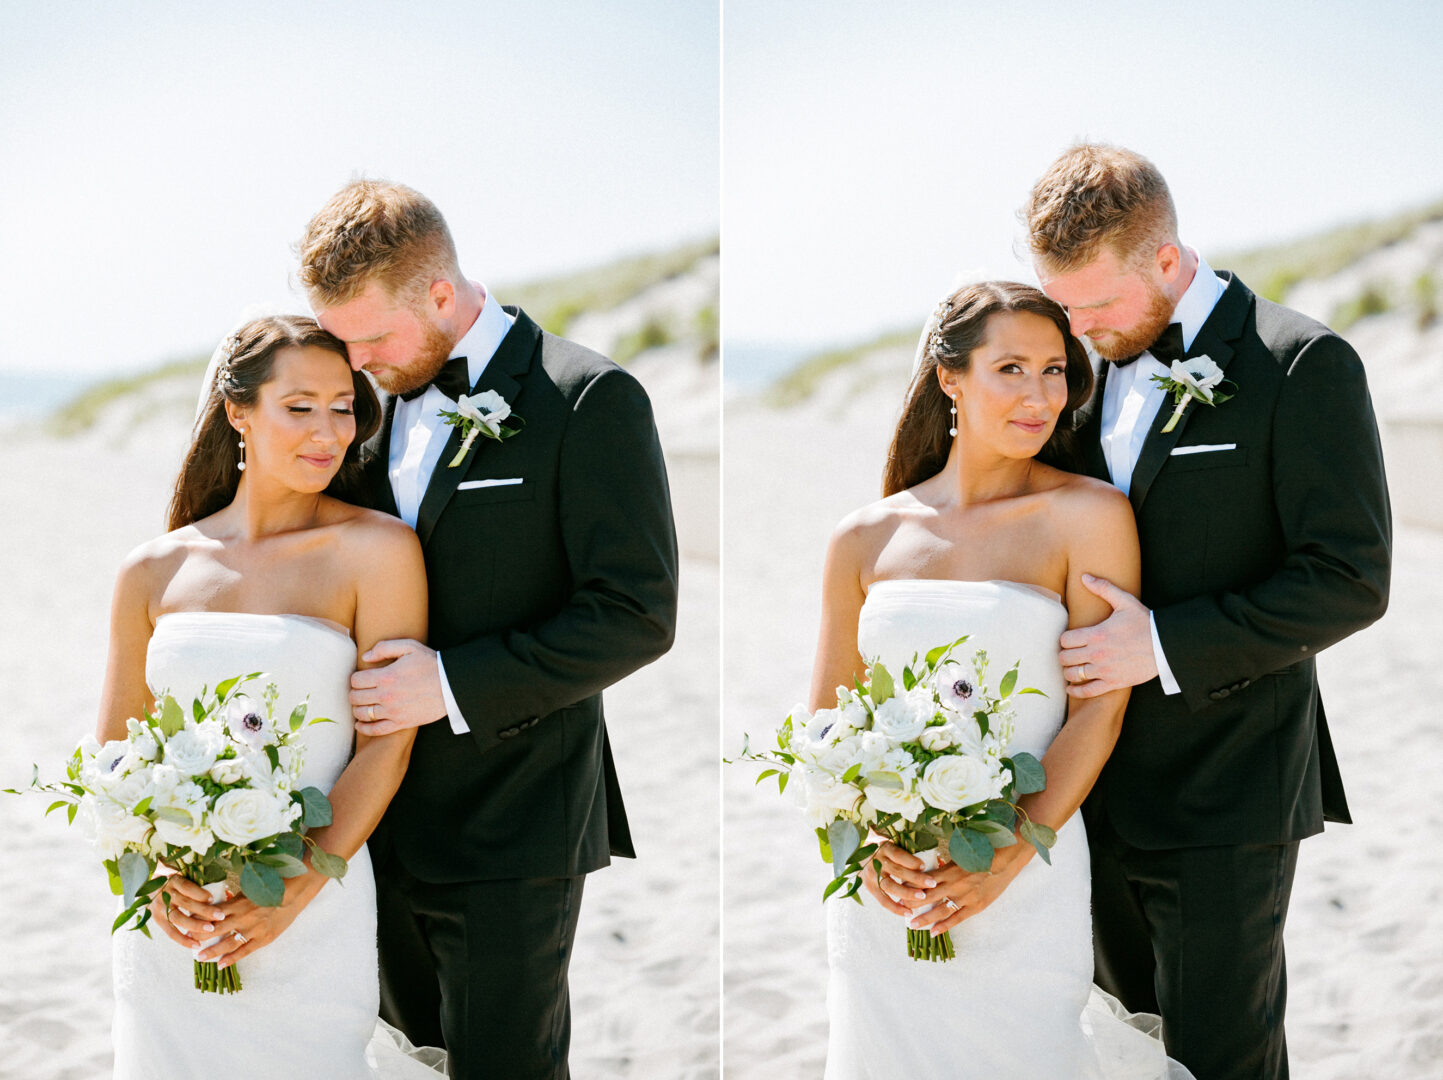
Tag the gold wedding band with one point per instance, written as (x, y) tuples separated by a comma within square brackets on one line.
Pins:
[(371, 715), (1082, 673)]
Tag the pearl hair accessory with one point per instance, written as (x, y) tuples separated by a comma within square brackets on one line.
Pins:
[(934, 341)]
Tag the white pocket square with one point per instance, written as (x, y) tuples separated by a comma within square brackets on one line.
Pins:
[(1207, 448), (470, 484)]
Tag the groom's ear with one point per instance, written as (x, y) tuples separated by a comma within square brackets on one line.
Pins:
[(441, 298)]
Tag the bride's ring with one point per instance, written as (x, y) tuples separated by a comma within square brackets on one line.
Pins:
[(240, 937), (950, 905)]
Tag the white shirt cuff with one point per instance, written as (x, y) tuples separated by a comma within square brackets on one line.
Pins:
[(453, 711), (1164, 673)]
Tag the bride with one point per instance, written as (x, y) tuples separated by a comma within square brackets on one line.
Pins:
[(982, 533), (267, 569)]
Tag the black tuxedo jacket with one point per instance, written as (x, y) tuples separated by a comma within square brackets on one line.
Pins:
[(542, 593), (1254, 558)]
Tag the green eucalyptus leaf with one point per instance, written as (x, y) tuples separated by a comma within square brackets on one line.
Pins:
[(262, 884), (882, 685), (298, 716), (1008, 684), (1040, 837), (766, 773), (970, 850), (826, 847), (288, 866), (316, 807), (134, 869), (885, 778), (1028, 773), (172, 814), (998, 835), (333, 866), (172, 717), (782, 779), (844, 837), (1031, 690), (289, 844), (852, 773)]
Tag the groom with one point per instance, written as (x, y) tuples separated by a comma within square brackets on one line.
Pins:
[(552, 565), (1265, 536)]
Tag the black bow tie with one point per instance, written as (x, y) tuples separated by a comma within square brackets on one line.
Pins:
[(1167, 348), (453, 380)]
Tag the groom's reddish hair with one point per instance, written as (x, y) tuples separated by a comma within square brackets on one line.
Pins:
[(1097, 196), (374, 230)]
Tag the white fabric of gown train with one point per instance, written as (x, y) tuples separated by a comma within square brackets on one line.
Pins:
[(309, 1000), (1017, 1001)]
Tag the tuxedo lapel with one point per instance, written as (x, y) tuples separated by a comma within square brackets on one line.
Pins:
[(512, 359), (376, 458), (1223, 326)]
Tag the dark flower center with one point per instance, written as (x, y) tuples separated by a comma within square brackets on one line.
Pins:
[(252, 721), (962, 688)]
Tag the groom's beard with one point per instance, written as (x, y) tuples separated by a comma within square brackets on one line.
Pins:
[(431, 357), (1120, 344)]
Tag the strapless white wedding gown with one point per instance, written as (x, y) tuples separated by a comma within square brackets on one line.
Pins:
[(309, 1001), (1017, 1002)]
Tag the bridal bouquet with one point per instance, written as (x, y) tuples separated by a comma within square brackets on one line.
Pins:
[(211, 795), (917, 757)]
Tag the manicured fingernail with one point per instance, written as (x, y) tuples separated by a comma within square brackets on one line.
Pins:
[(920, 895), (931, 884), (209, 927), (934, 931), (1088, 577)]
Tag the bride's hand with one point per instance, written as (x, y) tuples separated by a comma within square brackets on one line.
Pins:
[(969, 893), (247, 927), (192, 916), (903, 880)]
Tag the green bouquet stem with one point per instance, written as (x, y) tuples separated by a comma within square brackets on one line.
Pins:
[(210, 977), (921, 945)]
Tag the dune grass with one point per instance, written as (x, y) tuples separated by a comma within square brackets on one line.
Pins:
[(82, 411), (1271, 271), (802, 381)]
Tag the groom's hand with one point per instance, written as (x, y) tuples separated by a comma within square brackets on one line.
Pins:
[(404, 693), (1115, 653)]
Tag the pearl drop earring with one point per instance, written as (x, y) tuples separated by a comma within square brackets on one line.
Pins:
[(242, 444), (953, 429)]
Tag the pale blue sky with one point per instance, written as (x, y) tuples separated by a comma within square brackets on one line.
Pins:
[(159, 159), (872, 152)]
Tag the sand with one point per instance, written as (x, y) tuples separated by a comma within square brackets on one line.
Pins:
[(645, 975), (1364, 935)]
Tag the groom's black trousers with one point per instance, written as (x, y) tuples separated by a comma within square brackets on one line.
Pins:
[(1196, 934), (480, 969)]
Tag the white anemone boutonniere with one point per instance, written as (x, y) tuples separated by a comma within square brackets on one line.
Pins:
[(1196, 378), (480, 415)]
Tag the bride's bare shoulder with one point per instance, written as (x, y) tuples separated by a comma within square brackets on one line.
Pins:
[(1084, 504), (374, 536), (868, 528)]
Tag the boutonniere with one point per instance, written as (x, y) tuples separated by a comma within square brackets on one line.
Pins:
[(480, 415), (1194, 379)]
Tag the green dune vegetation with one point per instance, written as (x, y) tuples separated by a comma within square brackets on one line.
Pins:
[(554, 302), (1269, 271)]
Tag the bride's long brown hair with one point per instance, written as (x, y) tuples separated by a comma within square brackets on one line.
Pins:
[(921, 443), (208, 477)]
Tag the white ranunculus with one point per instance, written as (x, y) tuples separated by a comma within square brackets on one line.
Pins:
[(192, 751), (822, 796), (143, 744), (939, 737), (163, 778), (244, 815), (1199, 374), (487, 409), (840, 755), (247, 721), (902, 717), (110, 826), (228, 771), (893, 801), (952, 782)]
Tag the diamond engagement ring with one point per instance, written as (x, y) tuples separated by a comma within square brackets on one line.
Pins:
[(950, 905), (240, 937)]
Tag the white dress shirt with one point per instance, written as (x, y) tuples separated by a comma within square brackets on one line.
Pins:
[(1130, 402), (419, 436)]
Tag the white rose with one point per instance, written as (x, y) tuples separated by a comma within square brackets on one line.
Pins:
[(191, 751), (841, 755), (188, 798), (244, 815), (1199, 374), (142, 740), (163, 779), (851, 718), (902, 717), (939, 737), (487, 409), (955, 781), (872, 749)]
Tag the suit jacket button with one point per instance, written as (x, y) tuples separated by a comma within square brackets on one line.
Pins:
[(506, 734), (1245, 684), (1218, 695)]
